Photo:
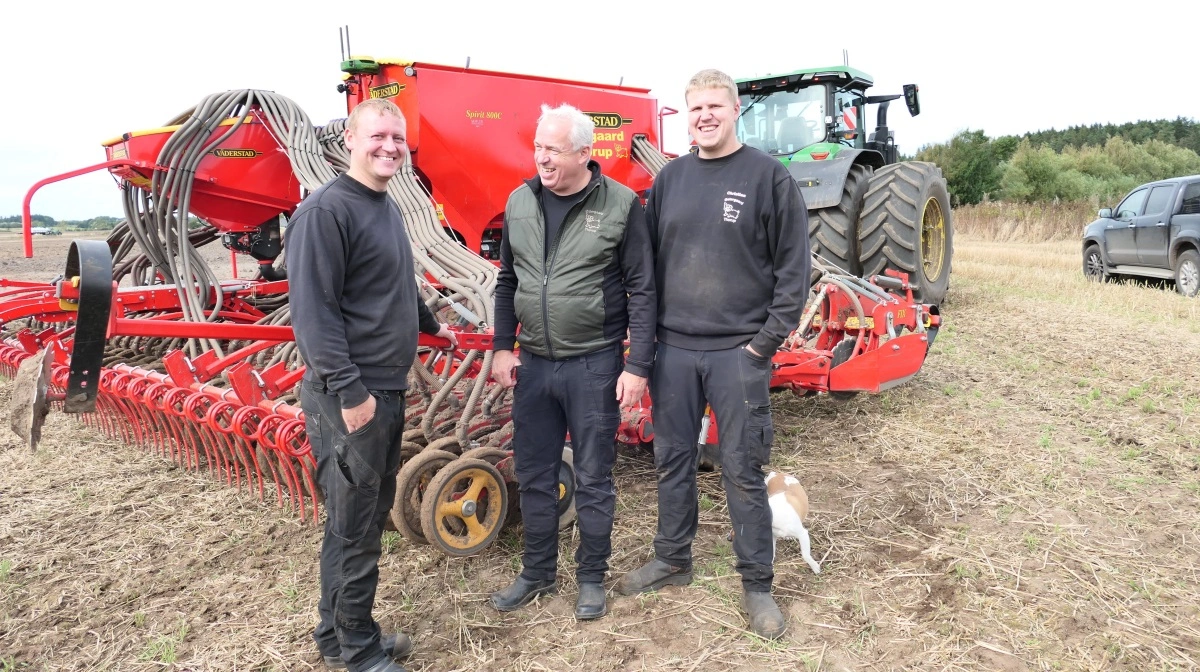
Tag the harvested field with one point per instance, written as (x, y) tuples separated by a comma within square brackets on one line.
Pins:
[(1030, 501)]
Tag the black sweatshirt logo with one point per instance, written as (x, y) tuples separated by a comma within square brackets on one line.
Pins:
[(733, 206)]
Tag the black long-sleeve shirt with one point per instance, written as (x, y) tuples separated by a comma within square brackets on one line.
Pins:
[(354, 304), (732, 252)]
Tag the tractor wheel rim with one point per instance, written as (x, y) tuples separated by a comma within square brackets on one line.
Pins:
[(933, 239)]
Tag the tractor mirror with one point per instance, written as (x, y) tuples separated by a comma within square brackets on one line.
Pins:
[(910, 99)]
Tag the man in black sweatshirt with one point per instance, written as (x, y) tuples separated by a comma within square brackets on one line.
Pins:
[(577, 274), (730, 231), (356, 313)]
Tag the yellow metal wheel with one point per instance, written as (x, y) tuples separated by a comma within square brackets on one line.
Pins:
[(464, 507)]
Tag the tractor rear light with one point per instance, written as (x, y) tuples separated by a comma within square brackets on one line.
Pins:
[(820, 156)]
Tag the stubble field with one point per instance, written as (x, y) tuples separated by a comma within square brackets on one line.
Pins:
[(1030, 501)]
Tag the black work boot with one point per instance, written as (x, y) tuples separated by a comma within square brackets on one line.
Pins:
[(652, 576), (521, 592), (396, 647), (592, 602), (766, 620)]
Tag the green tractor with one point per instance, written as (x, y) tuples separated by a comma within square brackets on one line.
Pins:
[(867, 210)]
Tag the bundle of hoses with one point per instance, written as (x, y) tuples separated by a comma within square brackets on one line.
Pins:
[(317, 155), (646, 154)]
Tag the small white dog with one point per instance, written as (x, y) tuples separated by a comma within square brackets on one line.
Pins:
[(789, 507)]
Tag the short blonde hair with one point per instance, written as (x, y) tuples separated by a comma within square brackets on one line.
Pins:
[(379, 105), (711, 79)]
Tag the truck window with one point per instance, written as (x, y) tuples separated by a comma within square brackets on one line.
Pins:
[(1132, 205), (1159, 196), (1191, 199)]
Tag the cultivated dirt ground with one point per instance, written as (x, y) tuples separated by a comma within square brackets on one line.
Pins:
[(1028, 502)]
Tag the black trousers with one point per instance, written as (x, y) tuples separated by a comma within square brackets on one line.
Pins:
[(357, 473), (552, 397), (736, 385)]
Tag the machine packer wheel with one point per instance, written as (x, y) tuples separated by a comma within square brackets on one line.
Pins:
[(464, 507), (489, 454), (494, 456), (1187, 273), (834, 230), (906, 225), (412, 482), (1093, 264), (566, 489)]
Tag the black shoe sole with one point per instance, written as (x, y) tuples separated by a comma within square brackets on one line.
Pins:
[(591, 617)]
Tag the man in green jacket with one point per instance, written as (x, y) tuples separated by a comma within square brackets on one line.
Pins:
[(577, 275)]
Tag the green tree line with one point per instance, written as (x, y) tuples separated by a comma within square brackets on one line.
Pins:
[(1098, 163), (102, 223), (94, 224)]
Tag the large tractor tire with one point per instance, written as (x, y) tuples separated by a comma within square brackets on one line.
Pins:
[(833, 231), (906, 225)]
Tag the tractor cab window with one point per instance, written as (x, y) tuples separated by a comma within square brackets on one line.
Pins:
[(1132, 205), (783, 122), (848, 116)]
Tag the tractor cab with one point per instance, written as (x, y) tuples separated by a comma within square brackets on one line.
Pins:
[(813, 114)]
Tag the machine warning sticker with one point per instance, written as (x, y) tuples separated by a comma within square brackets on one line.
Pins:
[(387, 90), (606, 143), (236, 153), (118, 152)]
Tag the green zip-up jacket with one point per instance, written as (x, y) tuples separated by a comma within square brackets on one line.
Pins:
[(589, 288)]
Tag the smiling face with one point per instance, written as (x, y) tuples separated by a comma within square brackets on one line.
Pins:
[(563, 170), (377, 147), (712, 120)]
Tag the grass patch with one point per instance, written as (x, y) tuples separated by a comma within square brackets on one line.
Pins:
[(164, 648)]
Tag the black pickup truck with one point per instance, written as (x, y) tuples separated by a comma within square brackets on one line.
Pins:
[(1153, 233)]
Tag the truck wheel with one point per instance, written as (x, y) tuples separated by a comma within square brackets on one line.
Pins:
[(906, 225), (833, 231), (1093, 264), (1187, 273)]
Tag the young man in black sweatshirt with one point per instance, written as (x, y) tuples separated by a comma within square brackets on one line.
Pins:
[(730, 231), (356, 313)]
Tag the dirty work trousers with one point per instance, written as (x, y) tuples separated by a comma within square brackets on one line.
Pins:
[(736, 385), (356, 472), (551, 397)]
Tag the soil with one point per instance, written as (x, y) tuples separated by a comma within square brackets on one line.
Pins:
[(1027, 502)]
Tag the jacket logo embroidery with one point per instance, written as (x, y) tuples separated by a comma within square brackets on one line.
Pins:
[(731, 213), (591, 220)]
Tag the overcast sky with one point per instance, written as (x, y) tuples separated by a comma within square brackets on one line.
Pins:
[(74, 77)]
